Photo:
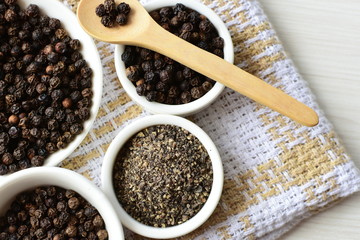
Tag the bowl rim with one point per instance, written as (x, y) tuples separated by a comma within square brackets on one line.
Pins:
[(217, 185), (41, 176), (196, 105), (56, 9)]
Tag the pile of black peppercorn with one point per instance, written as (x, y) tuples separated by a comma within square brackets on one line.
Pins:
[(111, 14), (160, 78), (51, 213), (45, 87)]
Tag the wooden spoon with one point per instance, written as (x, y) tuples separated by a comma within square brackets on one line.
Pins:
[(141, 30)]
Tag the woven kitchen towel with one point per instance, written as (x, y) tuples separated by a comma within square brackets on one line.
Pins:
[(276, 171)]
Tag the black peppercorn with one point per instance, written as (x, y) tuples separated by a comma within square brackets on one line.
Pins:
[(83, 103), (218, 42), (84, 113), (197, 92), (52, 57), (49, 112), (159, 63), (165, 76), (3, 170), (67, 103), (162, 86), (36, 120), (205, 26), (32, 10), (60, 47), (50, 147), (147, 66), (2, 7), (128, 57), (74, 44), (54, 82), (7, 158), (41, 88), (14, 132), (19, 153), (166, 12), (48, 49), (13, 119), (73, 203), (123, 8), (109, 5), (151, 96), (107, 21), (60, 114), (71, 231), (52, 124), (35, 132), (141, 90), (60, 34), (10, 15), (121, 19), (185, 97), (146, 54), (75, 96), (173, 92), (54, 23), (57, 94), (151, 77), (207, 86), (100, 10), (219, 53), (37, 161), (76, 128), (15, 51), (80, 63), (133, 72), (195, 82), (86, 72), (4, 138), (186, 36), (37, 35), (187, 73), (8, 67)]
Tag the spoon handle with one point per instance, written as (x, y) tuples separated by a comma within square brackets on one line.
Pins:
[(214, 67)]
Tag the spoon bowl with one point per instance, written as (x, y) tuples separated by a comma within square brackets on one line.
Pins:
[(131, 33), (141, 30)]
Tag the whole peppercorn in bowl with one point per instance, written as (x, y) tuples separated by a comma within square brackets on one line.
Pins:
[(158, 83), (50, 84), (163, 175), (55, 203)]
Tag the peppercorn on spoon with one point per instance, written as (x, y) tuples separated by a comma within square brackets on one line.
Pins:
[(141, 30)]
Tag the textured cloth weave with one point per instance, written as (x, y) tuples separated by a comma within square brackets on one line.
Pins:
[(276, 171)]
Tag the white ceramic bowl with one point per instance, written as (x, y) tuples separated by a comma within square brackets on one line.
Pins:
[(207, 209), (56, 9), (194, 106), (31, 178)]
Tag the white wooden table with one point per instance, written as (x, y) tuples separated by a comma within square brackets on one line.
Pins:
[(323, 39)]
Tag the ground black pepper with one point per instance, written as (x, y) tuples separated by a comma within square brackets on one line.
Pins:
[(111, 15), (42, 75), (162, 73), (50, 212), (162, 176)]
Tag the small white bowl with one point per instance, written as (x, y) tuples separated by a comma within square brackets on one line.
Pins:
[(31, 178), (194, 106), (56, 9), (216, 189)]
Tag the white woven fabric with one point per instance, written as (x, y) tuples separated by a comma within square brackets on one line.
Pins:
[(276, 171)]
